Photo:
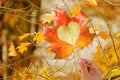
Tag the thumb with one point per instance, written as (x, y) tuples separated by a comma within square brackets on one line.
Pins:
[(83, 66)]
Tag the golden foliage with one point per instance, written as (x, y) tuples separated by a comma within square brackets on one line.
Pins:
[(23, 36), (23, 47), (38, 37), (12, 51), (109, 52)]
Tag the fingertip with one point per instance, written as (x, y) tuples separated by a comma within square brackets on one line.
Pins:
[(82, 63)]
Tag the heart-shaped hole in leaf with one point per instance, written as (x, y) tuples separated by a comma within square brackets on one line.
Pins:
[(69, 34)]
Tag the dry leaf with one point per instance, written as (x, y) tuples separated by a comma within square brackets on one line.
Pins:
[(23, 36), (12, 51), (48, 17), (38, 37), (23, 47)]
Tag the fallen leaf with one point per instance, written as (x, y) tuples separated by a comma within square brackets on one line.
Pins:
[(69, 34), (38, 37), (48, 18), (12, 51), (75, 11), (23, 36), (104, 35), (23, 47)]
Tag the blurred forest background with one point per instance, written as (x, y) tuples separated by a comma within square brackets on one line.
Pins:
[(19, 17)]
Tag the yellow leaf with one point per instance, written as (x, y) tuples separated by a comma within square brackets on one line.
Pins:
[(38, 37), (117, 35), (104, 35), (23, 47), (92, 2), (75, 10), (95, 29), (12, 50), (48, 17), (23, 36)]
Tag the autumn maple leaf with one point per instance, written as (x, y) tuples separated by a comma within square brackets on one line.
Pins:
[(63, 48)]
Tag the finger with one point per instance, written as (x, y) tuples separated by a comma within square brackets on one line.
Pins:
[(92, 66), (90, 63), (83, 67)]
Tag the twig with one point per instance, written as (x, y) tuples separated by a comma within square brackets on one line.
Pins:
[(66, 5), (33, 4)]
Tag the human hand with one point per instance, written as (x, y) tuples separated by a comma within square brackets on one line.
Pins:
[(89, 71)]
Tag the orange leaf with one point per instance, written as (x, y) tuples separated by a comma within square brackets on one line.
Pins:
[(63, 49), (61, 17), (81, 19), (104, 35), (85, 37)]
